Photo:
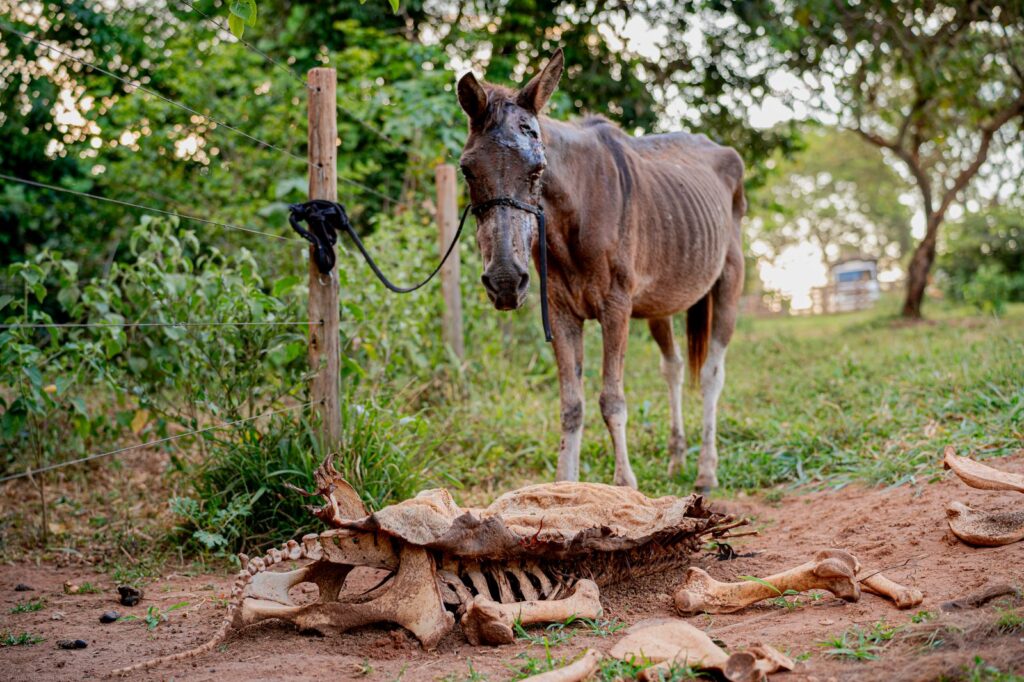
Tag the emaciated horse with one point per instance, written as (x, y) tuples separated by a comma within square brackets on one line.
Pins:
[(642, 227)]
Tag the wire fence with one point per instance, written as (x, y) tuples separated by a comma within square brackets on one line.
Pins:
[(131, 86), (99, 455)]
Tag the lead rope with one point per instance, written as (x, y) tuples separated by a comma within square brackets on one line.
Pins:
[(327, 218)]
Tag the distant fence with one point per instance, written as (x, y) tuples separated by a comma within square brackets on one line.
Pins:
[(829, 299)]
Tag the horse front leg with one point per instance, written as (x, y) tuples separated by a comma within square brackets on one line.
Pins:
[(567, 339), (615, 333)]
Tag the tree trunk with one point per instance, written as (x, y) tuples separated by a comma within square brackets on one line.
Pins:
[(920, 266)]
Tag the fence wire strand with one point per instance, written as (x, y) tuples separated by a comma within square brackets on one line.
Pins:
[(121, 202), (89, 458), (82, 325)]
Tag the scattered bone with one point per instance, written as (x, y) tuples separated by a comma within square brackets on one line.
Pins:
[(902, 596), (491, 622), (831, 569), (672, 642), (978, 599), (981, 476), (985, 529), (577, 671)]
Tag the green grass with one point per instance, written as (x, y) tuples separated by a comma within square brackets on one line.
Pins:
[(29, 606), (23, 639), (860, 644), (828, 399)]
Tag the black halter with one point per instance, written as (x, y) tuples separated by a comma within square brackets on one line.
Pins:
[(481, 208)]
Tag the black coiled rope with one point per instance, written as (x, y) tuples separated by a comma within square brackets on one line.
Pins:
[(327, 218)]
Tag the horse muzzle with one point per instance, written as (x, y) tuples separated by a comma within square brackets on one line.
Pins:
[(507, 290)]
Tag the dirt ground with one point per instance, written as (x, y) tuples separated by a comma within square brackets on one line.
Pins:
[(901, 530)]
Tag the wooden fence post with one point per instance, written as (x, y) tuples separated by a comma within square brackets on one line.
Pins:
[(447, 223), (324, 339)]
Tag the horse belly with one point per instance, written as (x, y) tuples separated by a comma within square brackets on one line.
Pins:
[(677, 275)]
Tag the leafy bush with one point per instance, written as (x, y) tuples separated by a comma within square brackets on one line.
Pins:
[(991, 288)]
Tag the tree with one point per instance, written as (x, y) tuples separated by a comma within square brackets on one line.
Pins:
[(939, 86), (839, 193)]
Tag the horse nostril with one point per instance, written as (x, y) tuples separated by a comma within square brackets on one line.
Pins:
[(488, 285), (524, 281)]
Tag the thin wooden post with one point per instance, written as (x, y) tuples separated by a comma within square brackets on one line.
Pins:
[(324, 339), (447, 223)]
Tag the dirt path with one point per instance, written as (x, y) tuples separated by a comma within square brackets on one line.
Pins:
[(882, 527)]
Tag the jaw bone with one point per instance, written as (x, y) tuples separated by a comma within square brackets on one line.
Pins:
[(981, 476), (672, 642), (412, 600), (985, 529), (491, 622), (902, 596), (831, 569)]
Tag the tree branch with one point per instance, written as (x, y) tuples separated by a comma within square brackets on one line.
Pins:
[(988, 131), (910, 159)]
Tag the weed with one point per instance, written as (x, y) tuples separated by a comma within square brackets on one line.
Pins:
[(30, 606), (24, 639), (365, 669), (471, 676), (982, 672), (554, 635), (922, 617), (602, 628), (859, 644), (1010, 621), (155, 615), (781, 601), (613, 669), (88, 588)]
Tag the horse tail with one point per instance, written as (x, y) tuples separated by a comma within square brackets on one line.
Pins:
[(698, 335)]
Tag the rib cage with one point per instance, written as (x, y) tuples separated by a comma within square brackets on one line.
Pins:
[(518, 580)]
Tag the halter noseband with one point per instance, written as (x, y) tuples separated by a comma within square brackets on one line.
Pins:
[(479, 209)]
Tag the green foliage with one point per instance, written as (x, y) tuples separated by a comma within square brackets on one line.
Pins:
[(471, 676), (156, 615), (1010, 621), (982, 260), (29, 606), (837, 193), (8, 638), (861, 644), (980, 671)]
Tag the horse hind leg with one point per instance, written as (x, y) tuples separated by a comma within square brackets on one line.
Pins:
[(672, 368), (725, 301)]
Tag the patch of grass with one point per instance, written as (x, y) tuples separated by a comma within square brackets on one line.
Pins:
[(922, 617), (471, 676), (613, 670), (553, 635), (860, 644), (88, 588), (601, 628), (980, 671), (23, 639), (30, 606), (1010, 621), (827, 399), (155, 615)]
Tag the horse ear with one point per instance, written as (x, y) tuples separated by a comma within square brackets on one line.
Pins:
[(472, 97), (538, 91)]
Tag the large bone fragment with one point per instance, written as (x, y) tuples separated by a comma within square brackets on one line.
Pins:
[(985, 529), (577, 671), (490, 622), (902, 596), (670, 642), (413, 601), (981, 476), (831, 569)]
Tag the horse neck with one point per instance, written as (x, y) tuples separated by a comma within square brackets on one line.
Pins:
[(566, 147)]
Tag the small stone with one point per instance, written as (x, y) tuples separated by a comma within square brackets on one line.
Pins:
[(72, 644), (22, 587), (109, 616), (57, 615), (71, 588), (130, 596)]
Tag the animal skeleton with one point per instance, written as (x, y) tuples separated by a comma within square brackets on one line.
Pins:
[(535, 554), (981, 528)]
